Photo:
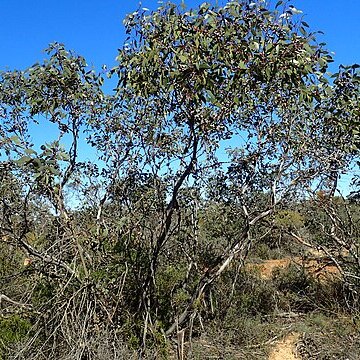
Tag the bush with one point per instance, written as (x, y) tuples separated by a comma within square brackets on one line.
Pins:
[(13, 329)]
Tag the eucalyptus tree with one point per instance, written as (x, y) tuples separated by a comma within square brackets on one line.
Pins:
[(36, 221), (243, 77)]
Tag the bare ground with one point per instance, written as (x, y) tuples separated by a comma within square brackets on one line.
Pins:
[(285, 349)]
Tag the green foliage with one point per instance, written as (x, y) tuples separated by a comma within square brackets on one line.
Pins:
[(256, 302), (293, 279), (265, 252), (289, 219), (296, 288), (170, 292), (43, 292), (13, 329)]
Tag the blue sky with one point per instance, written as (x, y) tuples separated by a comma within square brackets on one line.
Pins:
[(94, 29)]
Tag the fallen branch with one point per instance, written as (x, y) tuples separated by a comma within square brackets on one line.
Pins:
[(11, 301)]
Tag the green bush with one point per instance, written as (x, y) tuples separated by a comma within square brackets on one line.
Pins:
[(251, 296), (13, 329)]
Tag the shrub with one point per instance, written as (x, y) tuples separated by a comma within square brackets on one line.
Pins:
[(13, 329)]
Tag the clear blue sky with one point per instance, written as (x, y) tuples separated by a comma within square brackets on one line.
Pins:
[(94, 29)]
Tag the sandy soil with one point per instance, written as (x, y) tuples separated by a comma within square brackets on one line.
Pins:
[(266, 268), (285, 349), (320, 269)]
